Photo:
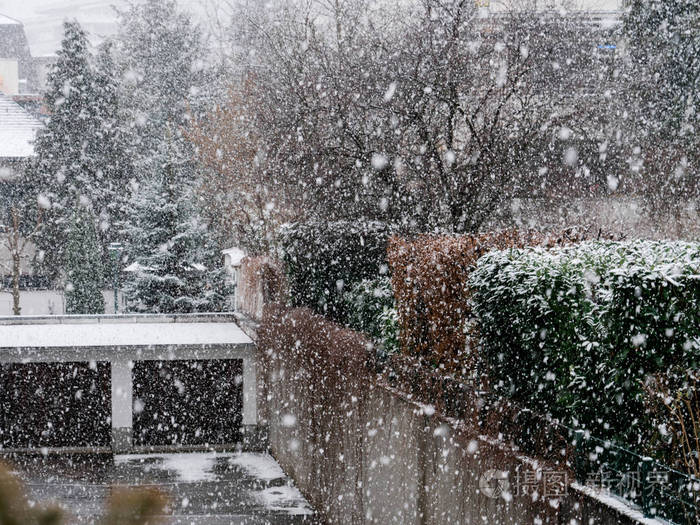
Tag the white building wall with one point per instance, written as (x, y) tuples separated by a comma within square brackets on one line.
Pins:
[(9, 76)]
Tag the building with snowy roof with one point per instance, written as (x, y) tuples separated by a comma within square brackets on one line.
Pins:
[(18, 129), (17, 69)]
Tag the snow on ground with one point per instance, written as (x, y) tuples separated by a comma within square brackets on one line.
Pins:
[(260, 466), (189, 467), (278, 494), (285, 498)]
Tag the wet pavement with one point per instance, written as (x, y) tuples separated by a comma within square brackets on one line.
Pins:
[(203, 488)]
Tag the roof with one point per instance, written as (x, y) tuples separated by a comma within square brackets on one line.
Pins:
[(121, 335), (17, 130), (6, 20)]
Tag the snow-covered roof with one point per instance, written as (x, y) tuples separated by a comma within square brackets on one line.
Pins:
[(120, 335), (6, 21), (17, 130), (235, 255)]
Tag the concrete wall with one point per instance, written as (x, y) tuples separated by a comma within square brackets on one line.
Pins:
[(388, 460), (9, 76), (49, 302)]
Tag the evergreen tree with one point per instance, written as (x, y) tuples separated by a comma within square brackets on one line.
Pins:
[(84, 272), (111, 146), (80, 153), (174, 265), (160, 56)]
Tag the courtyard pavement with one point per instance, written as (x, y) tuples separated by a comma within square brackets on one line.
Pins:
[(203, 488)]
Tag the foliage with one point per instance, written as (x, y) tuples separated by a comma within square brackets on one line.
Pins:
[(21, 220), (573, 331), (673, 399), (330, 358), (660, 102), (430, 276), (245, 203), (160, 55), (175, 266), (84, 271), (324, 259), (371, 310), (260, 281), (124, 506), (664, 43), (80, 154)]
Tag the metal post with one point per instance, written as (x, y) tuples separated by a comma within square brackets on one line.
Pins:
[(114, 249), (579, 454), (116, 277), (645, 469)]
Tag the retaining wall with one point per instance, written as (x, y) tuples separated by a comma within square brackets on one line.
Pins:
[(383, 459)]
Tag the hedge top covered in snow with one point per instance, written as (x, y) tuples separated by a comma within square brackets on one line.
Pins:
[(671, 261), (576, 330)]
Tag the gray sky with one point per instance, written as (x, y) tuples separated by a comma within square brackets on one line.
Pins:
[(42, 19)]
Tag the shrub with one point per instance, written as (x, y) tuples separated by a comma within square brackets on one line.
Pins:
[(83, 266), (574, 331), (430, 280), (323, 260), (673, 400), (371, 309)]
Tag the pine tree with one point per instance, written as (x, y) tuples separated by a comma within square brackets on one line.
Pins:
[(160, 55), (84, 270), (80, 153), (111, 147), (174, 265)]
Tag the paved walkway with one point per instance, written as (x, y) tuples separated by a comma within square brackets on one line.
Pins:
[(204, 488)]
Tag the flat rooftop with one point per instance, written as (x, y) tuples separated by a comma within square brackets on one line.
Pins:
[(121, 335)]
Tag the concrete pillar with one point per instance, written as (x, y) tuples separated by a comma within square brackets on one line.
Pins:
[(250, 407), (122, 403)]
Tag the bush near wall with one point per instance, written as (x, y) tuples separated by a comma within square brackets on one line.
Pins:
[(371, 310), (324, 259), (573, 331), (430, 280)]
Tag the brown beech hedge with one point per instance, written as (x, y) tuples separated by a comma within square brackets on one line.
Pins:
[(429, 278), (331, 360)]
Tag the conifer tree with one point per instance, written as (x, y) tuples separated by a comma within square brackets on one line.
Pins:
[(81, 152), (61, 161), (84, 271), (174, 266), (160, 56)]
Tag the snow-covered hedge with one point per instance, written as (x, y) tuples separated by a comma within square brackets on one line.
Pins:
[(323, 260), (371, 310), (573, 331)]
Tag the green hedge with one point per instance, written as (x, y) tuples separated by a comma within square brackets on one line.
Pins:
[(573, 331), (371, 310), (323, 260)]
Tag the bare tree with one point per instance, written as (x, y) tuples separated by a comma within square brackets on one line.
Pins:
[(20, 223), (244, 202), (425, 114)]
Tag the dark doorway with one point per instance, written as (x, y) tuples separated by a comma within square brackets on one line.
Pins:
[(187, 402), (55, 405)]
